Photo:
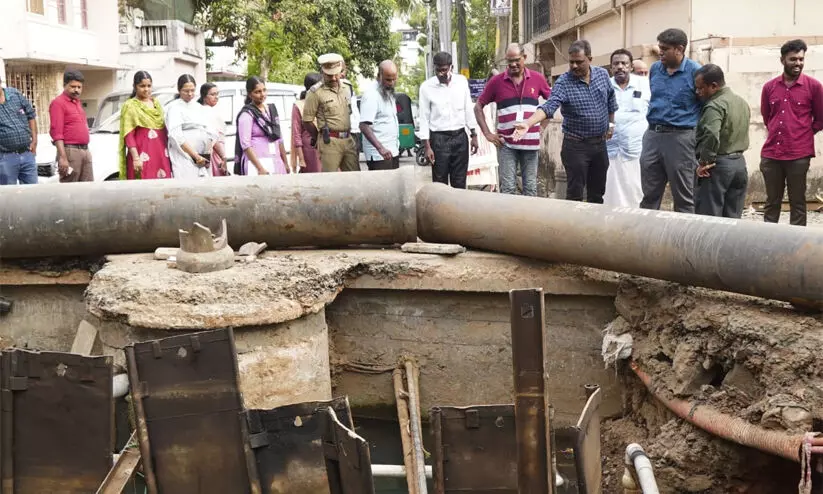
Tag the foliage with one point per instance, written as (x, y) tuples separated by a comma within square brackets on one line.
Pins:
[(409, 81), (282, 38), (481, 26)]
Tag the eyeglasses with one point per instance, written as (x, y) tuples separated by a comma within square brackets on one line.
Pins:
[(512, 61)]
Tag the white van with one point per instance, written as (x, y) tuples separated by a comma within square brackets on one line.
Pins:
[(105, 133)]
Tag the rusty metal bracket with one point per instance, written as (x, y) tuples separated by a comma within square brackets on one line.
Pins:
[(481, 458), (288, 445), (192, 433), (348, 461), (534, 455), (57, 422), (578, 449)]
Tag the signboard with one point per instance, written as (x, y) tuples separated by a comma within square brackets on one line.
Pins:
[(501, 8), (476, 87)]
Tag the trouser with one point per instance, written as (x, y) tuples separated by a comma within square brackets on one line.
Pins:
[(586, 162), (668, 157), (390, 164), (791, 175), (451, 157), (338, 154), (18, 167), (81, 165), (508, 159), (723, 192)]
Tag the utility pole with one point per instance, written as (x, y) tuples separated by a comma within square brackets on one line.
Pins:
[(462, 39), (444, 22)]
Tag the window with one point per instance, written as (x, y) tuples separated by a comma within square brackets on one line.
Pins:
[(225, 107), (84, 14), (61, 11), (36, 6)]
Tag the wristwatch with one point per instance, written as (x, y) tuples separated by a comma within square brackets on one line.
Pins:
[(472, 132)]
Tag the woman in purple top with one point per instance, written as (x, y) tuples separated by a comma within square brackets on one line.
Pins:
[(259, 148), (303, 154)]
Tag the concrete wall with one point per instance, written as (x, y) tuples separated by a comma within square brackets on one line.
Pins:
[(795, 18), (462, 342)]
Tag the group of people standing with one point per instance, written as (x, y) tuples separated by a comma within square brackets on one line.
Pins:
[(627, 136)]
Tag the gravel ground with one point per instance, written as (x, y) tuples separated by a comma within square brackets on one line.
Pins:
[(813, 218)]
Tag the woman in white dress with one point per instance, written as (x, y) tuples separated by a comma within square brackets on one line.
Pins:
[(192, 133), (209, 97)]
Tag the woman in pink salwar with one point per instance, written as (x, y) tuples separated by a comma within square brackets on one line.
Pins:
[(143, 137), (303, 154), (259, 147)]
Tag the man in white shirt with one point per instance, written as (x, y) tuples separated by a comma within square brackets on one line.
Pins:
[(446, 111), (623, 186), (378, 121)]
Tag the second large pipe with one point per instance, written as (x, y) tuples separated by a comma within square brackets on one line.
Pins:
[(773, 261)]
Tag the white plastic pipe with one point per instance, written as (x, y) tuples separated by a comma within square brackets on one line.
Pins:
[(643, 467), (120, 385), (395, 471)]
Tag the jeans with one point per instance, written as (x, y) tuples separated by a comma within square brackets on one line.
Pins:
[(586, 163), (508, 158), (785, 175), (16, 167)]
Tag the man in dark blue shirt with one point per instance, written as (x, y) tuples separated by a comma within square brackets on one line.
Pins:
[(669, 144), (586, 99), (18, 139)]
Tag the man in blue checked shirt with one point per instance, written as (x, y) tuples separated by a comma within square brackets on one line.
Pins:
[(18, 139), (669, 144), (586, 100)]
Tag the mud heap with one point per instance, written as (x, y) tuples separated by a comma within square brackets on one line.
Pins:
[(746, 357)]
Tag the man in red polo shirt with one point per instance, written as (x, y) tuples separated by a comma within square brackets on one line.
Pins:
[(516, 92), (792, 108), (70, 131)]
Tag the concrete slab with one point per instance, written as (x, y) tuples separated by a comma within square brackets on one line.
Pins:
[(285, 285)]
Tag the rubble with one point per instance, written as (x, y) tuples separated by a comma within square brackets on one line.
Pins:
[(743, 356)]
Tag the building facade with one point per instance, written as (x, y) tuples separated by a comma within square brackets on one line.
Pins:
[(40, 39), (166, 48), (741, 36)]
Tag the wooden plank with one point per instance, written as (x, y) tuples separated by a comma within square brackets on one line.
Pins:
[(123, 470), (85, 339)]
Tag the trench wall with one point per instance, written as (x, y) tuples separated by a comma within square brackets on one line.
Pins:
[(451, 319)]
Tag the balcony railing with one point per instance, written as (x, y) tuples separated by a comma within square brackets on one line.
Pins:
[(165, 36)]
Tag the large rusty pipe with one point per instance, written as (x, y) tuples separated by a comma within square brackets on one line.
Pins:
[(322, 209), (774, 261)]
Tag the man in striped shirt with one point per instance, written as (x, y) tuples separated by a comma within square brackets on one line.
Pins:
[(516, 93)]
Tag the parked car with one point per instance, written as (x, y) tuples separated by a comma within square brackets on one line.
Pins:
[(105, 139)]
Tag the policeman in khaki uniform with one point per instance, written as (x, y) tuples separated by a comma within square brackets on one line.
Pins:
[(330, 104)]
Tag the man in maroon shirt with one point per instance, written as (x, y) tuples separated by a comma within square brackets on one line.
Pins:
[(792, 108), (70, 131), (516, 93)]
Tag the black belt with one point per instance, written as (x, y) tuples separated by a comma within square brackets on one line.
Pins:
[(736, 154), (668, 128), (19, 151), (76, 146), (586, 140), (449, 132)]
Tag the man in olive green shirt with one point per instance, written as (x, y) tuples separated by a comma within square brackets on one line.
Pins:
[(722, 137)]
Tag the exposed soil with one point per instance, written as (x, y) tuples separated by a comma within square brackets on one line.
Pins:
[(746, 357)]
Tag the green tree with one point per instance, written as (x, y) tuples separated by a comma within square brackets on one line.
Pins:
[(282, 38), (409, 81)]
